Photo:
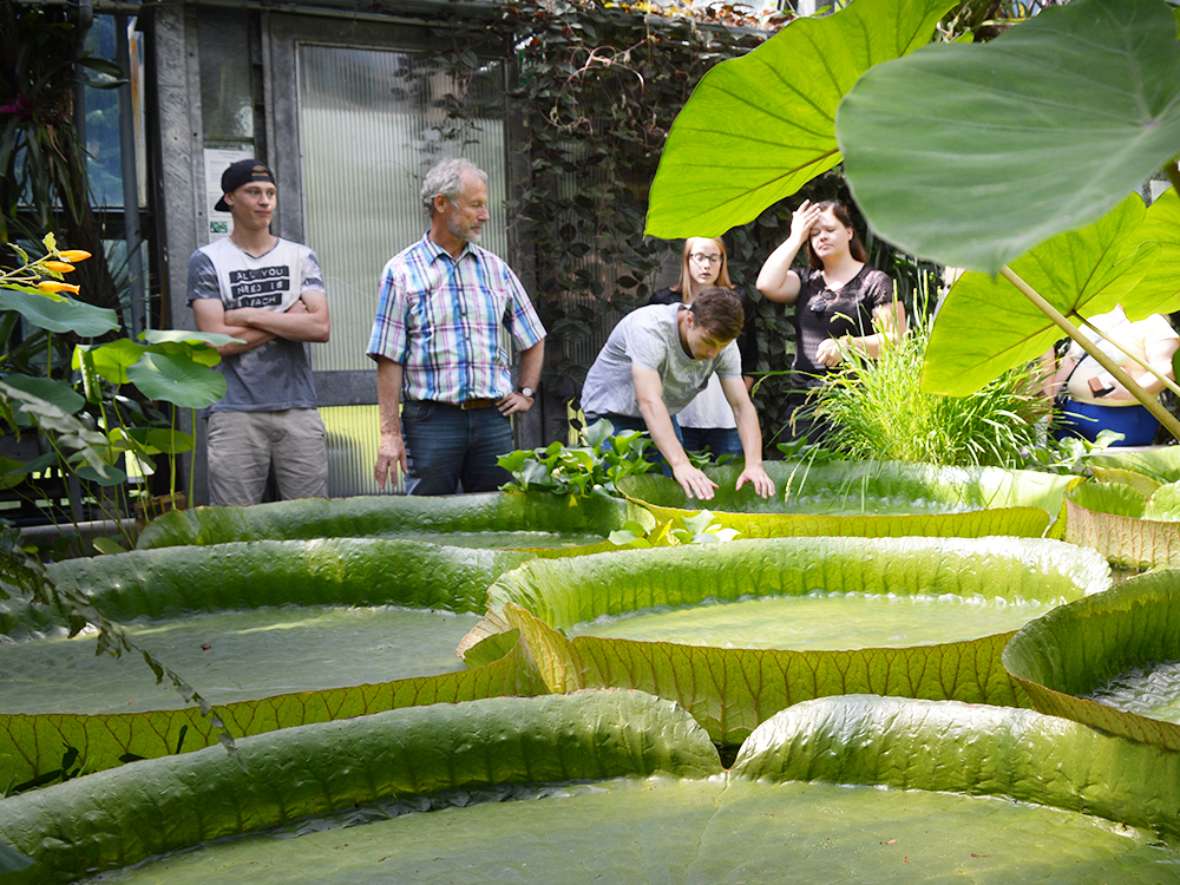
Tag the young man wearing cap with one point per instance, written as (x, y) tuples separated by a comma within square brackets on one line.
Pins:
[(268, 293), (448, 314), (656, 360)]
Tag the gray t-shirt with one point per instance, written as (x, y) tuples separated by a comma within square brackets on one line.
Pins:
[(650, 337), (276, 375)]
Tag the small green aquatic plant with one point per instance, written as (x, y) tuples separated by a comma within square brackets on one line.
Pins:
[(593, 467), (697, 528)]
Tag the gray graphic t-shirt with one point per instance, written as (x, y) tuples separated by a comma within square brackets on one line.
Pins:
[(650, 337), (276, 375)]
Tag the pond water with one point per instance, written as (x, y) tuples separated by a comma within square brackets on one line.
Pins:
[(1149, 691), (232, 656), (822, 621), (666, 830), (498, 540)]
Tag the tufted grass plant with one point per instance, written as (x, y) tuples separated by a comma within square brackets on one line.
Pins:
[(876, 410)]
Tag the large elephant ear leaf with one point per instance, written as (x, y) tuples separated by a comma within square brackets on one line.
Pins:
[(972, 155), (1159, 289), (759, 127), (987, 326)]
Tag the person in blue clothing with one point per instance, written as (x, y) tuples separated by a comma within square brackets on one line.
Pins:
[(1094, 400)]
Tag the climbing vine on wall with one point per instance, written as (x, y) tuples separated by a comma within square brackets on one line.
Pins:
[(593, 90)]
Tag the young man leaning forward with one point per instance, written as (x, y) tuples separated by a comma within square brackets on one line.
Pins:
[(656, 360)]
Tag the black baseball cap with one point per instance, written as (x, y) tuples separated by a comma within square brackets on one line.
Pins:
[(239, 173)]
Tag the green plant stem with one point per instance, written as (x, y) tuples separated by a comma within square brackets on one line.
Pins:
[(1149, 402), (172, 454), (1167, 382), (49, 357), (192, 466)]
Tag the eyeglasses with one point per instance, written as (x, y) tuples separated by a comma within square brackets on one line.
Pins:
[(702, 258)]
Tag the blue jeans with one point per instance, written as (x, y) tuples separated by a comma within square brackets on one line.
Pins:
[(446, 446), (718, 440)]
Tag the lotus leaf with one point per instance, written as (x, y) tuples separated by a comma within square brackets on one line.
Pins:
[(55, 313), (57, 393), (1071, 654), (870, 499), (187, 336), (1077, 106), (177, 379), (730, 690), (368, 516), (110, 360)]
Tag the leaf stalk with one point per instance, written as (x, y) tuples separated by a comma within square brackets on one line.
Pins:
[(1149, 402)]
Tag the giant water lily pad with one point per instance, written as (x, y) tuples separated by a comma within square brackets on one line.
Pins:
[(215, 651), (117, 817), (233, 656), (497, 515), (731, 676), (1114, 518), (937, 784), (1161, 463), (1112, 662), (869, 499), (970, 155)]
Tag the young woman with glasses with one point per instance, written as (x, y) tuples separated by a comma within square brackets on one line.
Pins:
[(838, 298), (707, 422)]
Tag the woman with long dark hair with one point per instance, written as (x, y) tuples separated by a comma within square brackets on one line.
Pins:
[(842, 304), (707, 421)]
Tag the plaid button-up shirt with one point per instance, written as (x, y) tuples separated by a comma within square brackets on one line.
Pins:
[(451, 322)]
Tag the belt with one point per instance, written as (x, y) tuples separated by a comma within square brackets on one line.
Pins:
[(479, 403), (482, 402)]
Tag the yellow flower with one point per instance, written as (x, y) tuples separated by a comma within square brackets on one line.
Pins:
[(74, 255), (59, 266), (54, 286)]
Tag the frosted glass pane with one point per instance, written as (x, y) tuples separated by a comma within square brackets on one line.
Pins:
[(371, 123), (352, 449)]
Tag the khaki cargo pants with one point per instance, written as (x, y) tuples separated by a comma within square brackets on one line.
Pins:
[(243, 445)]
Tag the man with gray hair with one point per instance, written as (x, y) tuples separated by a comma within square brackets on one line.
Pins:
[(448, 313)]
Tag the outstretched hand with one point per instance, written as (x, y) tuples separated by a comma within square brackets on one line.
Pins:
[(694, 482), (757, 476)]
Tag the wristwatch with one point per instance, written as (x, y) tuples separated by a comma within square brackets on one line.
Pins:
[(527, 391)]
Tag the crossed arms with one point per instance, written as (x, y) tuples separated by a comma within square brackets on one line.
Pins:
[(305, 320)]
